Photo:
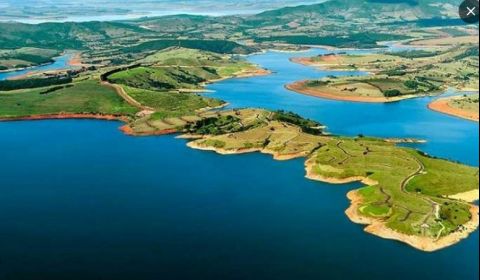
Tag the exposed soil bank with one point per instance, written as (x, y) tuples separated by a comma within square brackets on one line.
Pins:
[(442, 105), (302, 88)]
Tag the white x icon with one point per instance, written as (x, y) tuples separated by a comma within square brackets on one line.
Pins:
[(471, 11)]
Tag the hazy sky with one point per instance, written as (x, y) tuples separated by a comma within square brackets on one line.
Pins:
[(34, 11), (225, 6)]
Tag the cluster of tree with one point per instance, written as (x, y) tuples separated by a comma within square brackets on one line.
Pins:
[(55, 88), (473, 51), (7, 85), (394, 72), (316, 83), (357, 40), (216, 125), (415, 53), (411, 84), (104, 76), (307, 126), (217, 46), (391, 93)]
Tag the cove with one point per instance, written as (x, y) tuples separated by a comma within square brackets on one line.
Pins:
[(60, 63)]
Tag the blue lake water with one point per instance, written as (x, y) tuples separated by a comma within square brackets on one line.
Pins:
[(60, 63), (80, 200)]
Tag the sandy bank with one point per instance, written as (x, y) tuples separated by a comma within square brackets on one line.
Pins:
[(308, 61), (126, 129), (428, 244), (253, 73), (300, 87), (222, 151), (442, 105), (76, 60)]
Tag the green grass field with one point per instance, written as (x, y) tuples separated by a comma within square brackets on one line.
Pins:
[(410, 187), (171, 104), (180, 68), (83, 97), (164, 78)]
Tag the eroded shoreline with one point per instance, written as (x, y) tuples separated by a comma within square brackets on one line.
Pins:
[(441, 105), (300, 87)]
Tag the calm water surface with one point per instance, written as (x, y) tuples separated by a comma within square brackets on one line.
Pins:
[(79, 200), (60, 63)]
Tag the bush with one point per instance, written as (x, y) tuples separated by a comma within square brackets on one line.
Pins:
[(307, 126), (411, 84), (391, 93)]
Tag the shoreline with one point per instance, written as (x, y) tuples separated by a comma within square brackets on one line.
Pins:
[(125, 128), (239, 151), (299, 87), (441, 105), (307, 61), (63, 116), (76, 60), (242, 74)]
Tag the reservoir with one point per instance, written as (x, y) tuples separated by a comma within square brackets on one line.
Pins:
[(80, 200)]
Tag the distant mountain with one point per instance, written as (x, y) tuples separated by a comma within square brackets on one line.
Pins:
[(341, 23), (65, 35), (372, 11)]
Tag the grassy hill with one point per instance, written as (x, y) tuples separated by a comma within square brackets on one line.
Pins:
[(217, 46), (179, 68), (84, 97), (68, 35)]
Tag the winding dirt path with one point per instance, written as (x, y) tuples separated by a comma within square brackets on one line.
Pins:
[(144, 110)]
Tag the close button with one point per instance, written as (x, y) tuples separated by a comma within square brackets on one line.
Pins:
[(469, 11)]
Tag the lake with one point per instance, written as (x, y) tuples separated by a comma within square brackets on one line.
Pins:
[(80, 200)]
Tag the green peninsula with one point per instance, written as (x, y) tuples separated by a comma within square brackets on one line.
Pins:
[(394, 76), (410, 196)]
